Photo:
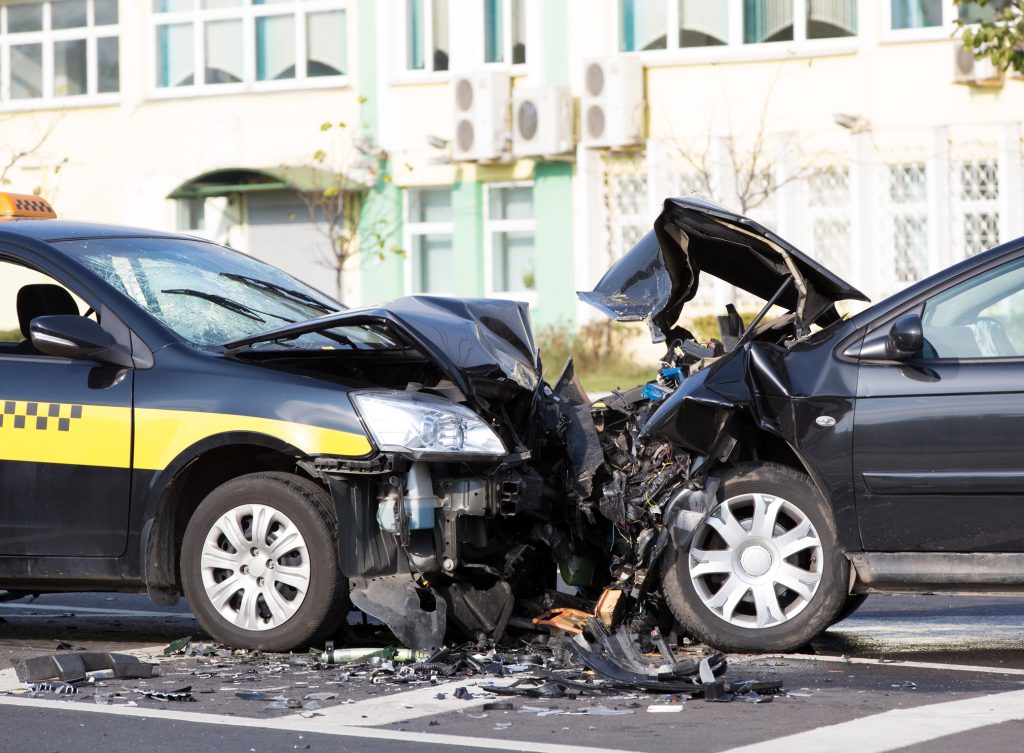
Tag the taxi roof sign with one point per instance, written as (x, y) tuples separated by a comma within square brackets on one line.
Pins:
[(26, 206)]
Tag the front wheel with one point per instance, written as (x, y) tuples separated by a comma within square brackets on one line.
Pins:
[(259, 563), (764, 571)]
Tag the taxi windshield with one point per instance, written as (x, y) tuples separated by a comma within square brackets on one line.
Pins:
[(210, 295)]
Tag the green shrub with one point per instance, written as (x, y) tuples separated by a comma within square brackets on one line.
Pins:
[(10, 336)]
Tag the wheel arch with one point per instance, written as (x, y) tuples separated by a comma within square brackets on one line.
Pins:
[(758, 444), (173, 494)]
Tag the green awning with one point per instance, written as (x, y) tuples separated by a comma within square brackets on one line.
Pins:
[(246, 180)]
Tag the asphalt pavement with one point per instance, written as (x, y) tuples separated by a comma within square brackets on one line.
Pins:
[(908, 673)]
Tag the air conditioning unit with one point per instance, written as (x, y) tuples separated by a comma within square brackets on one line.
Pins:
[(481, 116), (967, 70), (612, 108), (541, 121)]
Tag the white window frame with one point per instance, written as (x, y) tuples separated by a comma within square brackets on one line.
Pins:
[(405, 74), (47, 38), (736, 50), (247, 13), (492, 226), (411, 230), (923, 34), (507, 41)]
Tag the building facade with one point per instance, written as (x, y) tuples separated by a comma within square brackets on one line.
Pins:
[(523, 145)]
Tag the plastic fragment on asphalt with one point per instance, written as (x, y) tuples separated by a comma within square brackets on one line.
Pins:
[(665, 708), (179, 695), (74, 667), (499, 706), (320, 696), (177, 646)]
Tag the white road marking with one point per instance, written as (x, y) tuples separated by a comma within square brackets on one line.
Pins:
[(392, 708), (899, 728), (304, 726), (89, 611), (887, 663)]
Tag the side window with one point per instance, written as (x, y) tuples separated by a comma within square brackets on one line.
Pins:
[(982, 317), (40, 295)]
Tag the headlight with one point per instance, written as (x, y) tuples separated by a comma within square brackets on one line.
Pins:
[(413, 422)]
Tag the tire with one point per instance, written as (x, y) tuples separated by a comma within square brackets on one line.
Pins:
[(721, 592), (852, 604), (255, 597)]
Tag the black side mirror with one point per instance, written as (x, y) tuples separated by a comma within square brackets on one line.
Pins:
[(906, 337), (70, 336)]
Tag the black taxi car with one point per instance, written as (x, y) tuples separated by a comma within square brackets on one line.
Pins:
[(177, 417)]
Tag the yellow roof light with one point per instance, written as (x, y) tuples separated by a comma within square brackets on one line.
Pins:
[(24, 205)]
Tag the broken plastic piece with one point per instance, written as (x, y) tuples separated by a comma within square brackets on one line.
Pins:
[(665, 708), (181, 694), (609, 606), (74, 667), (499, 706), (177, 646), (565, 619)]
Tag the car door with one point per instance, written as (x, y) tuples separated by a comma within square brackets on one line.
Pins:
[(939, 439), (65, 432)]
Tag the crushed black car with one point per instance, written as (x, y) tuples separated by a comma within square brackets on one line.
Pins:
[(212, 427)]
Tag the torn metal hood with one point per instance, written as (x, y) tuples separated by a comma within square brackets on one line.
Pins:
[(691, 236), (476, 342)]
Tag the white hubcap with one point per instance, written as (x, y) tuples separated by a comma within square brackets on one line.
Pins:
[(756, 561), (255, 567)]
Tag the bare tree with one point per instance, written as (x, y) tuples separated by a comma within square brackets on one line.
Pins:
[(751, 164), (342, 190), (12, 156)]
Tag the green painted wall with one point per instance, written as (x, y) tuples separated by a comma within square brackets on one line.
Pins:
[(552, 201), (383, 278), (468, 237)]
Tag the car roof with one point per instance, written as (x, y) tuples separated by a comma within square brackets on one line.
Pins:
[(50, 231)]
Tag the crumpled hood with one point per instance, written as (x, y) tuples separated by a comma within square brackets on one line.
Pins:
[(476, 342), (690, 236)]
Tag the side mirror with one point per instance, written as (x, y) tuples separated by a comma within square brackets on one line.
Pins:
[(906, 337), (70, 336)]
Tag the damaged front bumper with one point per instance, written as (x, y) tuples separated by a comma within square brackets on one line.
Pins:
[(424, 544)]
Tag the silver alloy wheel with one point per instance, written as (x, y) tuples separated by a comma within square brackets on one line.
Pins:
[(756, 561), (255, 567)]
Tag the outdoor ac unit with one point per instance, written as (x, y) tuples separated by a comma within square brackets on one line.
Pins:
[(541, 121), (967, 70), (481, 116), (612, 108)]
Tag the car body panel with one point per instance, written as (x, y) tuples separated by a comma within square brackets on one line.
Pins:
[(691, 236)]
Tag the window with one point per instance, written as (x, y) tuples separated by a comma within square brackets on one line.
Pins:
[(426, 32), (505, 31), (649, 24), (429, 228), (828, 210), (13, 278), (977, 197), (979, 318), (974, 13), (767, 21), (248, 41), (908, 197), (210, 295), (509, 228), (59, 50), (917, 14)]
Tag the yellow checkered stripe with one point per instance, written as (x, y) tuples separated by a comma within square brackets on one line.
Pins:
[(101, 435)]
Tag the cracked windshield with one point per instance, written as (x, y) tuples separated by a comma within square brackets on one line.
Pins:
[(211, 295)]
